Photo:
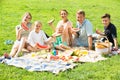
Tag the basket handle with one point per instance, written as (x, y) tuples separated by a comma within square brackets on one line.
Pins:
[(107, 42)]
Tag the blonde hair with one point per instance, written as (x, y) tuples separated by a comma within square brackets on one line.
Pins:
[(36, 22)]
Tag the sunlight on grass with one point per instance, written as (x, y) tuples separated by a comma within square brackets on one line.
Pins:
[(44, 10)]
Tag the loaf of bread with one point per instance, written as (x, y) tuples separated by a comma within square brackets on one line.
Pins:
[(102, 45)]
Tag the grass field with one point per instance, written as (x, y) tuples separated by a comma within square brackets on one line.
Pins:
[(11, 12)]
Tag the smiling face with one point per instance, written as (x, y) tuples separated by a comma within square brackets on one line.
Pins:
[(80, 18), (37, 26), (64, 15), (106, 21), (27, 17)]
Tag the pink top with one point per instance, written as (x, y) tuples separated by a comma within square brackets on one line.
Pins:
[(67, 26)]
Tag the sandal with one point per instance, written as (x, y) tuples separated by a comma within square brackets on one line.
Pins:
[(6, 55)]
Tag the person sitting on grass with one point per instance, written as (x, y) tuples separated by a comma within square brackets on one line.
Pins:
[(67, 26), (22, 32), (58, 41), (109, 30), (83, 38), (37, 38)]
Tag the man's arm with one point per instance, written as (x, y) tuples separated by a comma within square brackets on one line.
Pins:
[(114, 36), (116, 43), (89, 30), (90, 42)]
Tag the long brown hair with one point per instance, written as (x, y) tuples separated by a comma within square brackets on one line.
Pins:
[(64, 10), (27, 13)]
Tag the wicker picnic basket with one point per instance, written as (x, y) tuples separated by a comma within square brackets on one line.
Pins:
[(103, 47)]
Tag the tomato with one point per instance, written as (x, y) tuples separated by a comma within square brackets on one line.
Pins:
[(70, 57), (54, 57), (63, 58)]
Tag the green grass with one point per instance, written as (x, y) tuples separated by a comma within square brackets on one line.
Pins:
[(11, 12)]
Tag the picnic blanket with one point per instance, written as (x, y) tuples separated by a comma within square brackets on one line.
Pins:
[(32, 64), (42, 61), (92, 57)]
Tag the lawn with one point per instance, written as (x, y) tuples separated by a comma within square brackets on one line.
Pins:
[(11, 12)]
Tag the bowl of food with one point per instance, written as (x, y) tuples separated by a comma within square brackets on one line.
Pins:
[(103, 47)]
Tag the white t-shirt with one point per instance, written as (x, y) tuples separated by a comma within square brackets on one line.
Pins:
[(34, 38)]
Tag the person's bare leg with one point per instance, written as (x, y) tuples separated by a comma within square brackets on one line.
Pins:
[(65, 47), (60, 48), (30, 48), (14, 50), (22, 44)]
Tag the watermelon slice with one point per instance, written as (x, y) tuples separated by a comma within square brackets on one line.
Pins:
[(41, 46), (25, 27), (51, 21)]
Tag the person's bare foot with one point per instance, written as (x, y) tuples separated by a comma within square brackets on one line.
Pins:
[(25, 50)]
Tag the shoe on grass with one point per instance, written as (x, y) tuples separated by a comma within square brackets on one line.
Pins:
[(6, 56)]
